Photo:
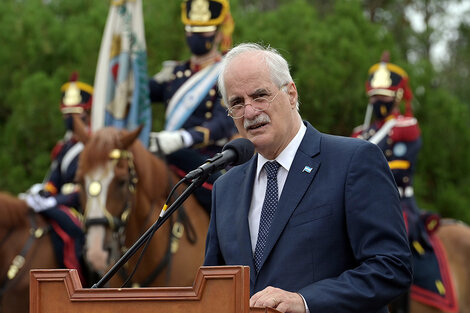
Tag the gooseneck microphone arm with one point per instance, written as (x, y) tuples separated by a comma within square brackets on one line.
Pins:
[(235, 152), (150, 231)]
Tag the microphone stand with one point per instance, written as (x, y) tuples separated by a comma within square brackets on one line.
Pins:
[(197, 182)]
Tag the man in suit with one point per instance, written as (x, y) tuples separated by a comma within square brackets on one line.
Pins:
[(336, 240)]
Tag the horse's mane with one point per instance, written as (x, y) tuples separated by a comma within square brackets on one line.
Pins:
[(97, 149), (12, 210), (152, 172)]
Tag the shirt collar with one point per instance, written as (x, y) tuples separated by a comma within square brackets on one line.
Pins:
[(286, 157)]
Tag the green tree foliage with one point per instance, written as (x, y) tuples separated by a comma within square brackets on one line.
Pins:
[(329, 56), (44, 44), (441, 179), (330, 46), (456, 73)]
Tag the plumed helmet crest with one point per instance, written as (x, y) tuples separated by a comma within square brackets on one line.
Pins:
[(208, 15), (76, 96), (388, 79)]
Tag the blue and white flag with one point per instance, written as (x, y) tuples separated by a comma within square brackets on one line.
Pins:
[(121, 95)]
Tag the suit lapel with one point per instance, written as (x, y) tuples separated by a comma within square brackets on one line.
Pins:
[(243, 229), (300, 177)]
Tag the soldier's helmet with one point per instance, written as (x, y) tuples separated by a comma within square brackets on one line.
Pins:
[(388, 79), (77, 96), (208, 15)]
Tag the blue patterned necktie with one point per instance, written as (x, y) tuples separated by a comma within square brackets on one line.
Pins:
[(268, 210)]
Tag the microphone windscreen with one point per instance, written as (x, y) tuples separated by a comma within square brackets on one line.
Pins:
[(243, 148)]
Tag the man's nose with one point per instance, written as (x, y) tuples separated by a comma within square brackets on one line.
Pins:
[(250, 111)]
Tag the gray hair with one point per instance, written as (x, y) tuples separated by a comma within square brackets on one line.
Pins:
[(277, 65)]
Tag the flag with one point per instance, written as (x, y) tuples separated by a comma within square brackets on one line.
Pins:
[(121, 95)]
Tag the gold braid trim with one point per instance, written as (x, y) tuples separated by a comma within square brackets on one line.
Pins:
[(206, 136)]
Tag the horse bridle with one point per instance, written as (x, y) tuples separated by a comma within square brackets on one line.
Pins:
[(19, 260), (115, 223)]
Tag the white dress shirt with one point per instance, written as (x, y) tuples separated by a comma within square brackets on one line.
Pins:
[(285, 159)]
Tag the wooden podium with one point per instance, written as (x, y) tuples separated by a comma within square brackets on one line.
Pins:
[(216, 289)]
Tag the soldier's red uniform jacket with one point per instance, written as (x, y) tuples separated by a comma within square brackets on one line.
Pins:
[(399, 137)]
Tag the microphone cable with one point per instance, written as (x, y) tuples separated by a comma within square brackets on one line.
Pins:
[(150, 235)]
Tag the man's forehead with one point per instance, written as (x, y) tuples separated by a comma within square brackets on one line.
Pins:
[(254, 90), (249, 59)]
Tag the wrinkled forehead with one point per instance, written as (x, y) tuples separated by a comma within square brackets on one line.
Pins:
[(247, 73)]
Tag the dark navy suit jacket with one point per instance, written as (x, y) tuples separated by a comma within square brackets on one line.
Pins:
[(338, 236)]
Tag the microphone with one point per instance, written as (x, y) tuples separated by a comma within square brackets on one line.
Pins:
[(235, 152)]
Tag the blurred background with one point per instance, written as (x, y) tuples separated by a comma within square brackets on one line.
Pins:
[(329, 44)]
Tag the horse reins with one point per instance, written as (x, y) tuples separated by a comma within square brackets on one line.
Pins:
[(109, 220), (19, 260), (117, 224), (175, 234)]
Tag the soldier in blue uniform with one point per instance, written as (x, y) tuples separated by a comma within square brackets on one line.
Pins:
[(57, 198), (196, 122), (399, 137)]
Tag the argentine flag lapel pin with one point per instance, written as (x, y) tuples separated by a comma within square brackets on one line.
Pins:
[(307, 169)]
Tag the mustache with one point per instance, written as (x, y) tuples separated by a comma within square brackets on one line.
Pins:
[(259, 119)]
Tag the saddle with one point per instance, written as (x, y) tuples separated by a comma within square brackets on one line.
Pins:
[(67, 241), (432, 282)]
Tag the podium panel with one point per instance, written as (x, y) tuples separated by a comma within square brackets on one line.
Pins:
[(216, 289)]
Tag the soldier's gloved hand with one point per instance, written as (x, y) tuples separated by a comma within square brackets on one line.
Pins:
[(33, 190), (39, 203), (167, 141)]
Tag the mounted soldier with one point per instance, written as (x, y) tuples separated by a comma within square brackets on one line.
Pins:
[(196, 122), (58, 197), (399, 137)]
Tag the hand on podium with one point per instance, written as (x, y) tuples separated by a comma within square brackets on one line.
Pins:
[(281, 300)]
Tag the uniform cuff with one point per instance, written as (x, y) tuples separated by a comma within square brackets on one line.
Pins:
[(187, 138)]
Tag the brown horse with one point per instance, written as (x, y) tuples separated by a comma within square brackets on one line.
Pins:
[(455, 237), (25, 244), (126, 188)]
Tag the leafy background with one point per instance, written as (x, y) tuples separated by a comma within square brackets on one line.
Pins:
[(329, 44)]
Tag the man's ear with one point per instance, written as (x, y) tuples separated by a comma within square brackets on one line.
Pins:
[(292, 93)]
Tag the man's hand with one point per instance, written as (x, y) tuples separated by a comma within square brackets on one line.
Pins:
[(39, 203), (166, 142), (279, 299)]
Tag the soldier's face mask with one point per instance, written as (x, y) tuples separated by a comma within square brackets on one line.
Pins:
[(68, 122), (200, 44), (382, 108)]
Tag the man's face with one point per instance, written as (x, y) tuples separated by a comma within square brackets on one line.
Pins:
[(246, 78)]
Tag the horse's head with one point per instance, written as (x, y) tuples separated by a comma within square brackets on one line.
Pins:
[(108, 178)]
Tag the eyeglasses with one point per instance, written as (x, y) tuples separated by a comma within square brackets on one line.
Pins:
[(259, 104)]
